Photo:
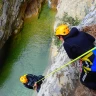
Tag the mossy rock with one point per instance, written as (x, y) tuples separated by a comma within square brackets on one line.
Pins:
[(1, 3)]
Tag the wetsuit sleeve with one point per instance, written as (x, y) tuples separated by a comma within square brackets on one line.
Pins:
[(39, 78), (71, 51), (40, 82), (31, 80), (91, 38)]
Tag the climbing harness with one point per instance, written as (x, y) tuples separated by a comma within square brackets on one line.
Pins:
[(87, 62), (84, 58), (90, 66)]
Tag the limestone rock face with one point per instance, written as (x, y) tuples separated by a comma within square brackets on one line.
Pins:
[(63, 82), (84, 91), (74, 8)]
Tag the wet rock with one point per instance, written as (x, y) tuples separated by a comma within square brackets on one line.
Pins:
[(10, 13), (90, 29), (84, 91), (54, 4), (13, 15), (33, 8), (1, 34)]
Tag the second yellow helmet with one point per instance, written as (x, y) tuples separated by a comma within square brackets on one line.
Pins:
[(62, 30), (23, 79)]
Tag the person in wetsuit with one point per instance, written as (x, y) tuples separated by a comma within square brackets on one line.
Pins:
[(29, 81), (75, 44)]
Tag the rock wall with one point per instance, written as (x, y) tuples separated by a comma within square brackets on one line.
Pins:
[(65, 82), (76, 9), (12, 14), (33, 8), (9, 19), (54, 4)]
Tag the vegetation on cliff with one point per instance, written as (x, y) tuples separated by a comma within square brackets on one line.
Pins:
[(1, 7)]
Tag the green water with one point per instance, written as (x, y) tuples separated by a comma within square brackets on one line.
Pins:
[(29, 53)]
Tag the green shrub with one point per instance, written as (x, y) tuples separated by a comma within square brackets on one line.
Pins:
[(57, 42), (72, 21)]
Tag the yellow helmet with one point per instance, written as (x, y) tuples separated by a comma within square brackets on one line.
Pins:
[(62, 30), (23, 79)]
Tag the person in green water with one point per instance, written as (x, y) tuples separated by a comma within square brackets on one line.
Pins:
[(29, 81)]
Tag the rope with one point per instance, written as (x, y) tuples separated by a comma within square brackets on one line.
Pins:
[(66, 64)]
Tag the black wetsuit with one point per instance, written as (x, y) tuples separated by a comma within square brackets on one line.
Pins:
[(32, 79), (77, 43)]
